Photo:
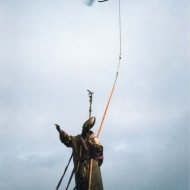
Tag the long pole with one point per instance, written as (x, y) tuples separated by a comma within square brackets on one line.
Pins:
[(64, 173), (89, 160)]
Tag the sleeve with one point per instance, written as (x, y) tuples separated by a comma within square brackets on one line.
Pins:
[(96, 149), (65, 138)]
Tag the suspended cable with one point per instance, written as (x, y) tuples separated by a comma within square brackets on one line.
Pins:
[(117, 73)]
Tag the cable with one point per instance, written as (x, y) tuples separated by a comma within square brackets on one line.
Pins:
[(117, 73)]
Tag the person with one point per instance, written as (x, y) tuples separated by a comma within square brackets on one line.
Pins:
[(87, 156)]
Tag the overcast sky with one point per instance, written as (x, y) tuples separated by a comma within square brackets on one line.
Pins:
[(52, 51)]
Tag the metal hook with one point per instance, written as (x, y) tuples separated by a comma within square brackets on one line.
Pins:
[(90, 95), (102, 1)]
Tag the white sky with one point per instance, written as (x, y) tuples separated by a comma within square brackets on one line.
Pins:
[(51, 52)]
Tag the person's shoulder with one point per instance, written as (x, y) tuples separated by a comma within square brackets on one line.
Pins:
[(94, 139), (92, 135), (77, 137)]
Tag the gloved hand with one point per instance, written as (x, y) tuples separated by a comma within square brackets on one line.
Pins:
[(58, 128)]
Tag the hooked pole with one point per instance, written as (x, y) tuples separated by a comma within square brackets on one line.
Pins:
[(88, 159), (90, 109)]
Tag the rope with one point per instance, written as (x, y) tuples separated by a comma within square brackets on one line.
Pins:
[(70, 178), (117, 73), (64, 173)]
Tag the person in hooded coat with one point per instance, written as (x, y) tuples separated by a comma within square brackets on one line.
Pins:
[(87, 156)]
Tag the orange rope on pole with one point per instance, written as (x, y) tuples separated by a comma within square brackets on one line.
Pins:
[(116, 73), (107, 105)]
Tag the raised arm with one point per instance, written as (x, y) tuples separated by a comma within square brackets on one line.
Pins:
[(64, 137)]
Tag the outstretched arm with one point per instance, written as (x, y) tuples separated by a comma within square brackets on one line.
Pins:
[(64, 137)]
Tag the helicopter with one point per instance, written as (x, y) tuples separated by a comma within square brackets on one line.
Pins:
[(90, 2)]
